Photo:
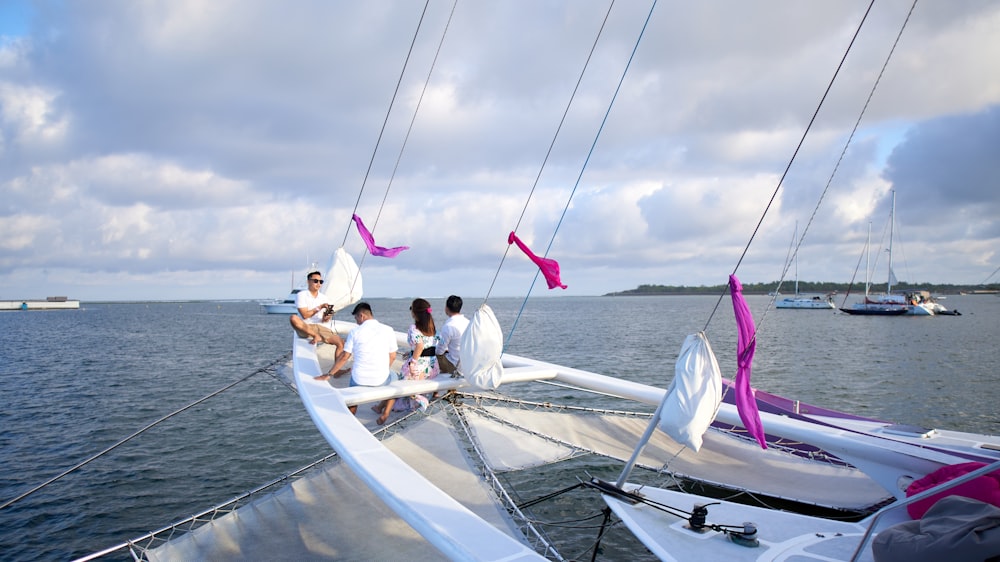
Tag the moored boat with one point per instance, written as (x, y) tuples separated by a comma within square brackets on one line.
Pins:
[(912, 303), (806, 302), (50, 303), (798, 300), (287, 305)]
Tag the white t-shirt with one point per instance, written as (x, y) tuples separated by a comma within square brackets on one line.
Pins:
[(304, 299), (370, 345), (451, 337)]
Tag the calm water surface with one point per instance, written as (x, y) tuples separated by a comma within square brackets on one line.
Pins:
[(73, 383)]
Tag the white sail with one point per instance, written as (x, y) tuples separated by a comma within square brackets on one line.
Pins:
[(343, 280)]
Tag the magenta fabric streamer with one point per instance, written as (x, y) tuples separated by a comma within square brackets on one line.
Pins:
[(746, 405), (550, 268), (370, 242)]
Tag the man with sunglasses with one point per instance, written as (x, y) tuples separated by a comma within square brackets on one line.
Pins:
[(314, 309)]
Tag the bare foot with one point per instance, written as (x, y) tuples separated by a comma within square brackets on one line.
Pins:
[(381, 419), (375, 408), (322, 377)]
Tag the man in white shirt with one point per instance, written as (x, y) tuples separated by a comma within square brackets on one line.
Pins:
[(373, 347), (314, 308), (448, 350)]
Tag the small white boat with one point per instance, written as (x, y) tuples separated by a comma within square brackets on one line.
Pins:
[(806, 302), (286, 306), (50, 303), (799, 300)]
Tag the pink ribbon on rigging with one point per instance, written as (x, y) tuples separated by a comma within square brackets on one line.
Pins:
[(746, 405), (370, 242), (549, 268)]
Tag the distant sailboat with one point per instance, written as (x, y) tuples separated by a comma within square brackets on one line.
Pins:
[(800, 301), (913, 303)]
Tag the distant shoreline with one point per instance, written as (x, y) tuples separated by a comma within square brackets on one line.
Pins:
[(811, 288)]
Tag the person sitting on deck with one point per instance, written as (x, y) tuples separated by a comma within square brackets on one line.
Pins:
[(308, 322), (449, 348), (373, 347), (423, 363)]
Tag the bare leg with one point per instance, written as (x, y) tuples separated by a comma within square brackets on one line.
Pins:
[(386, 410), (304, 330), (328, 336)]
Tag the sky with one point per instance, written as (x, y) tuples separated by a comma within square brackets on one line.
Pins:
[(180, 149)]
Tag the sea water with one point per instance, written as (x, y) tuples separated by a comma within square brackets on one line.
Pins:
[(76, 383)]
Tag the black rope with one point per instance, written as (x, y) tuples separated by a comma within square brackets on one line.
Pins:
[(77, 466), (386, 120), (802, 140), (562, 120), (600, 535), (546, 497)]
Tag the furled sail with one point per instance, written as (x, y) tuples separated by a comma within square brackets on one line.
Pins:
[(343, 280), (694, 394), (482, 346)]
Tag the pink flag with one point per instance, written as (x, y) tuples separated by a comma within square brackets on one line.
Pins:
[(745, 347), (370, 242), (550, 268)]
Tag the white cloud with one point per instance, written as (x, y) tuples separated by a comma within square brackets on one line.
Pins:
[(184, 143)]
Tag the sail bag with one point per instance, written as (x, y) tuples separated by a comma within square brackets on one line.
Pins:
[(694, 395), (482, 346)]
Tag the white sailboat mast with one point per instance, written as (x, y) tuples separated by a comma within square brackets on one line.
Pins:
[(892, 221), (868, 261), (795, 238)]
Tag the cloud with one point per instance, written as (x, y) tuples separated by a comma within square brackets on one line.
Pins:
[(184, 144)]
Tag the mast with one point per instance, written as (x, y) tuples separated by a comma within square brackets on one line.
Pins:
[(892, 221), (868, 261), (794, 238)]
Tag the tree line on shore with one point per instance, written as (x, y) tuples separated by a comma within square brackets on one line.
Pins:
[(804, 287)]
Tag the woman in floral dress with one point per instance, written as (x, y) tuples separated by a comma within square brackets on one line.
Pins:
[(423, 338)]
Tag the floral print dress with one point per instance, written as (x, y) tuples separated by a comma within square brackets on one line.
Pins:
[(423, 368)]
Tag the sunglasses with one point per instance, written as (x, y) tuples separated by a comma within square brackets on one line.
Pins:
[(320, 281)]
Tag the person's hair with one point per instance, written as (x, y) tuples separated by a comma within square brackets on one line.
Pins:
[(311, 273), (422, 318), (454, 303), (362, 307)]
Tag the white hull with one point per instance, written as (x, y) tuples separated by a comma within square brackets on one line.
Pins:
[(436, 516), (445, 523), (812, 303), (781, 535), (279, 308), (40, 305)]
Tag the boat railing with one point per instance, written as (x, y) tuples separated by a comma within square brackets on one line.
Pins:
[(917, 497)]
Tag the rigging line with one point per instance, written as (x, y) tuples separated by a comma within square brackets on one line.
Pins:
[(802, 140), (406, 138), (388, 112), (141, 431), (590, 153), (843, 153), (990, 277), (855, 275), (569, 104), (413, 120), (600, 130)]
